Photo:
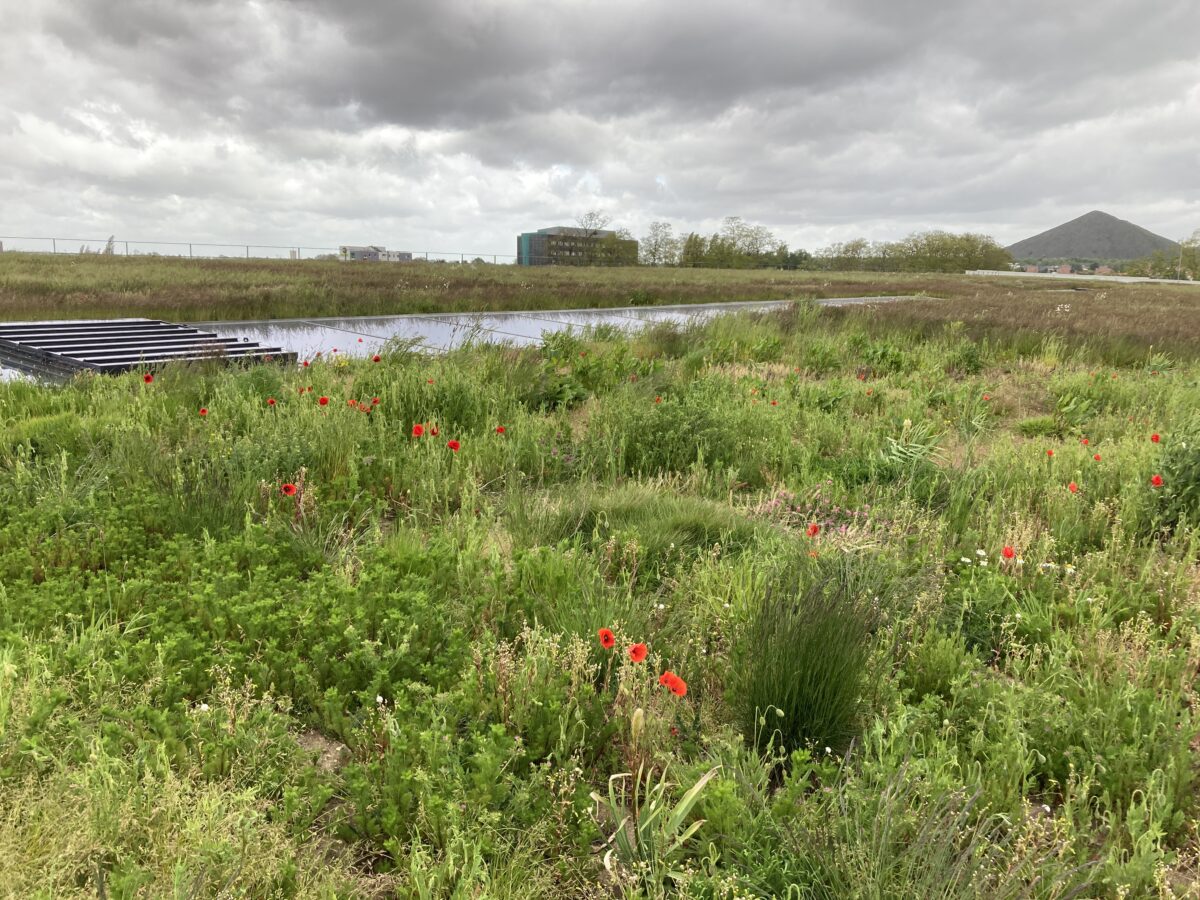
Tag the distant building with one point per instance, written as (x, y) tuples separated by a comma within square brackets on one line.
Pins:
[(372, 254), (1032, 269), (567, 246), (1064, 270), (1105, 270)]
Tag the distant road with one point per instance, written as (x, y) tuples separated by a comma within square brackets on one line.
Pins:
[(1122, 279)]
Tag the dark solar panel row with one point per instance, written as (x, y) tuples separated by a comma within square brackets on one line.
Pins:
[(60, 349)]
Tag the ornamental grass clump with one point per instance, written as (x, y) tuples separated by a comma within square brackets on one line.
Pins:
[(803, 657)]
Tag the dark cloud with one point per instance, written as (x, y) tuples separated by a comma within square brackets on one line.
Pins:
[(465, 121)]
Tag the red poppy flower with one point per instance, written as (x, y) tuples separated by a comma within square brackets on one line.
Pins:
[(1155, 438), (429, 381), (360, 340), (375, 358), (148, 378), (813, 529), (1084, 442), (433, 430), (323, 401), (499, 429), (1049, 452), (666, 678), (203, 411), (352, 403), (987, 397), (306, 364), (1096, 457), (607, 638), (301, 390), (268, 357), (374, 401), (870, 391), (453, 445), (678, 687), (1073, 488), (637, 652), (774, 402), (335, 349), (288, 489), (658, 399), (270, 401), (1008, 552), (1156, 480), (418, 430)]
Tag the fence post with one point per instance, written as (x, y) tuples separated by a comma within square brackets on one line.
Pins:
[(189, 251), (53, 245), (127, 248), (247, 251)]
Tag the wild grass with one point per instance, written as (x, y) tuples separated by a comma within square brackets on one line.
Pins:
[(799, 670), (392, 682)]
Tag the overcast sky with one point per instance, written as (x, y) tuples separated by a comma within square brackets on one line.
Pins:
[(455, 125)]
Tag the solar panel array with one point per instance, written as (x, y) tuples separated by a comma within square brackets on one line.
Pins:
[(59, 349)]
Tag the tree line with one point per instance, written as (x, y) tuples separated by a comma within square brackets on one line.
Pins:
[(742, 245), (1183, 264)]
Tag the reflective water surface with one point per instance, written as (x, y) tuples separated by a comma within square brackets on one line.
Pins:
[(367, 335)]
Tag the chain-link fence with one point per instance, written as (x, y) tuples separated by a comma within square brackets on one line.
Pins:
[(204, 250)]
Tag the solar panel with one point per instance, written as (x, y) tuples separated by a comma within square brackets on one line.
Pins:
[(59, 349)]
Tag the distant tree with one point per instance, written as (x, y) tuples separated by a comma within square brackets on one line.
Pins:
[(738, 245), (928, 251), (616, 249), (659, 246), (849, 256), (593, 222), (692, 252), (792, 259), (1189, 257)]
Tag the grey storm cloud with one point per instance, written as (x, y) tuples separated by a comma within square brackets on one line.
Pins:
[(459, 124)]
